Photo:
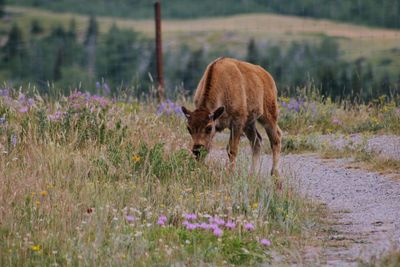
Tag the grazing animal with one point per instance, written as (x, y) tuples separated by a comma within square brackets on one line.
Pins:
[(235, 94)]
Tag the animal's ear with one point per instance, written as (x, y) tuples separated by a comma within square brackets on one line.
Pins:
[(217, 113), (186, 112)]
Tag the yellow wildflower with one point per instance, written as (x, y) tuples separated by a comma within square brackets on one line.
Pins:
[(36, 248), (43, 193), (135, 158), (255, 205), (37, 203), (33, 194)]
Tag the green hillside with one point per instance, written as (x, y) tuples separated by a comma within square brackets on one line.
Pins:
[(299, 52), (384, 13)]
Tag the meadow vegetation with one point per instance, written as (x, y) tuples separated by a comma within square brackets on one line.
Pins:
[(91, 180), (87, 180)]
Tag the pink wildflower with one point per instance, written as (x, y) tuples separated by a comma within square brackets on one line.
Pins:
[(191, 226), (218, 232), (162, 220), (230, 225), (190, 216), (336, 121), (217, 220), (265, 242), (129, 218), (204, 226), (249, 227)]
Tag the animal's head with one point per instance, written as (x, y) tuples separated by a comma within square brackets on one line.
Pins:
[(201, 126)]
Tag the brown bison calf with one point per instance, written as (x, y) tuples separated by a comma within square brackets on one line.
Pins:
[(235, 94)]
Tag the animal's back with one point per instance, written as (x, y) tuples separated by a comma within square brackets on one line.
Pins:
[(239, 86)]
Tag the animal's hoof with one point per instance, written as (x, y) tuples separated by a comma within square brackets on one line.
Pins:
[(275, 173), (279, 185)]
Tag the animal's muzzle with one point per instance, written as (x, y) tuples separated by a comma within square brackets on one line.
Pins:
[(197, 150)]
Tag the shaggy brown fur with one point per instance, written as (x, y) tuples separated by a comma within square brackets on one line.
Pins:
[(235, 94)]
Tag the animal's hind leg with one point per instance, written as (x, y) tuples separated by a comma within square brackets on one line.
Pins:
[(255, 142), (233, 146), (274, 135)]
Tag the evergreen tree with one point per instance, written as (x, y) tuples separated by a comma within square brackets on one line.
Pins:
[(15, 53), (36, 27), (120, 51), (72, 30), (344, 85), (356, 85), (15, 44), (2, 2), (90, 44), (193, 70), (385, 85), (252, 52)]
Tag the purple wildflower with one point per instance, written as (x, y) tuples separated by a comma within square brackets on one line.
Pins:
[(190, 216), (4, 92), (204, 226), (23, 109), (13, 139), (265, 242), (230, 225), (336, 121), (217, 221), (130, 218), (213, 226), (31, 102), (98, 85), (249, 227), (2, 120), (191, 226), (21, 98), (169, 108), (218, 232), (56, 116), (162, 220), (294, 105)]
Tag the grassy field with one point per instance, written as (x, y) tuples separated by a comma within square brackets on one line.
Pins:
[(89, 181), (234, 32), (86, 181)]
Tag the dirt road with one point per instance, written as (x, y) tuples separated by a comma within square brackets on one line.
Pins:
[(365, 206)]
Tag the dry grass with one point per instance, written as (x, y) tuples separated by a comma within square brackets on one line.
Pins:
[(68, 186)]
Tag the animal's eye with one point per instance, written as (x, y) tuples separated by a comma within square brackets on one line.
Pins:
[(190, 131), (208, 129)]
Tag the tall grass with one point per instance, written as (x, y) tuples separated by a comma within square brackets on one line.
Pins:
[(86, 181)]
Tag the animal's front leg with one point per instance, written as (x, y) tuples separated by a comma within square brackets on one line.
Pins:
[(233, 145)]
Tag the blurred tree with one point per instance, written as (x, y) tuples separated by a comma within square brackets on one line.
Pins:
[(356, 83), (15, 45), (252, 52), (90, 44), (2, 4), (36, 27), (193, 70), (14, 53), (72, 29), (119, 56)]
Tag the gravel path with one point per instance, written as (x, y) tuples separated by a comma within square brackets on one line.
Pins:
[(365, 205), (385, 145)]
